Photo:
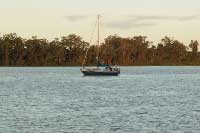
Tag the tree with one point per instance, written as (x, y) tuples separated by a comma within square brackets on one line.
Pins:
[(71, 50), (75, 48), (194, 46)]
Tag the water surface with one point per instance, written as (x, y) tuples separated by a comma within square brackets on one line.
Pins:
[(60, 99)]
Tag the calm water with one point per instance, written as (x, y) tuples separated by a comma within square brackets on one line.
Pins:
[(141, 99)]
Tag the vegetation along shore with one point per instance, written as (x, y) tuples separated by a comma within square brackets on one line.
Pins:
[(70, 51)]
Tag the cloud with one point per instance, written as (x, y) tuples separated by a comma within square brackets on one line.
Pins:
[(189, 18), (160, 17), (74, 18), (128, 24), (137, 21)]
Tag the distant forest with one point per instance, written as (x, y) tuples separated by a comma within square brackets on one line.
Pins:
[(70, 51)]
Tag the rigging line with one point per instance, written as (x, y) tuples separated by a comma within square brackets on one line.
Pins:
[(92, 35)]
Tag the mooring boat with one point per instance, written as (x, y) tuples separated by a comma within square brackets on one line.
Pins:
[(100, 69)]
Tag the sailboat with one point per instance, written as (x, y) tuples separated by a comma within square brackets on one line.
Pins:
[(100, 69)]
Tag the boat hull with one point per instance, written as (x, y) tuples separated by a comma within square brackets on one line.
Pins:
[(100, 73)]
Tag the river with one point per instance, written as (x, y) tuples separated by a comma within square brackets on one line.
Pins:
[(61, 100)]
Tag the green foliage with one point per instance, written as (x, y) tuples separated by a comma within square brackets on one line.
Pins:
[(71, 50), (194, 46)]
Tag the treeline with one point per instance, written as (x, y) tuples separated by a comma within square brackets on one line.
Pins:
[(70, 51)]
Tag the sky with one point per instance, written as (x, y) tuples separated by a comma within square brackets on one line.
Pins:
[(179, 19)]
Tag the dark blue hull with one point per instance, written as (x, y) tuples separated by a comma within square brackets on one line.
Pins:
[(93, 73)]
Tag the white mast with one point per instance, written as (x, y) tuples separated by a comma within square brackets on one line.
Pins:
[(98, 17), (98, 36)]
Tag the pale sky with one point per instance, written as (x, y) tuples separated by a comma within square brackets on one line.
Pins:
[(55, 18)]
